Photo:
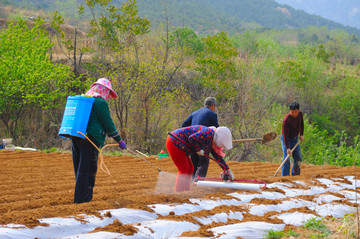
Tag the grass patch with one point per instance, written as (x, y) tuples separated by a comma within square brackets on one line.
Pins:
[(318, 226), (271, 234)]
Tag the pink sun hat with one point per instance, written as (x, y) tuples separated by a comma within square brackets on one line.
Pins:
[(106, 83)]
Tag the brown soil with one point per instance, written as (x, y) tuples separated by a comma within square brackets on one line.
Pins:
[(39, 185), (118, 227)]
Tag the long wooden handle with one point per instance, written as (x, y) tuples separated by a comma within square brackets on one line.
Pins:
[(286, 158), (247, 140)]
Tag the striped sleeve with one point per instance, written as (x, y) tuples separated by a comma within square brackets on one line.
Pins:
[(220, 160)]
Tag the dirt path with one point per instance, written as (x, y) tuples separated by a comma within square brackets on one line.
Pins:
[(40, 185)]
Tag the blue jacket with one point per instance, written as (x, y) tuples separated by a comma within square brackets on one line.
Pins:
[(203, 116)]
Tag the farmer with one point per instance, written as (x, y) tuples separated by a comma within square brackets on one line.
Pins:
[(293, 125), (85, 155), (205, 116), (200, 140)]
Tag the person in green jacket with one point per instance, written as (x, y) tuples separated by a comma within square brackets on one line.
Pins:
[(85, 155)]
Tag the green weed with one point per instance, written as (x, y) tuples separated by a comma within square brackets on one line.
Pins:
[(271, 234), (292, 233), (317, 225), (52, 149)]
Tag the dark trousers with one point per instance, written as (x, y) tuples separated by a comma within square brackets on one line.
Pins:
[(201, 165), (85, 158)]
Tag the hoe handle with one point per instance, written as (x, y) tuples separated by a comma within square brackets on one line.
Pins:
[(247, 140), (266, 138), (283, 162)]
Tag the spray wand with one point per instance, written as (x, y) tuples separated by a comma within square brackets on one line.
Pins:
[(102, 164)]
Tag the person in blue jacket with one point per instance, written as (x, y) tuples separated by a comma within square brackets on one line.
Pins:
[(205, 116)]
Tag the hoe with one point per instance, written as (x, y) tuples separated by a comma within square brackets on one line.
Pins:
[(265, 139)]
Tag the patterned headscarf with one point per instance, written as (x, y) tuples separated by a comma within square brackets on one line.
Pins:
[(102, 88), (99, 91)]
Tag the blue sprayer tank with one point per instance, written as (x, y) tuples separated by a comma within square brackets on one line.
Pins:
[(76, 116)]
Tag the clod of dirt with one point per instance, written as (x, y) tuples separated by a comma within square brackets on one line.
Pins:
[(31, 222), (118, 227)]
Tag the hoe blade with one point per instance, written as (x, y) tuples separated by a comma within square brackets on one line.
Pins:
[(269, 137)]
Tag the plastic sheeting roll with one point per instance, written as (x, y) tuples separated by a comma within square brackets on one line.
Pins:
[(232, 185)]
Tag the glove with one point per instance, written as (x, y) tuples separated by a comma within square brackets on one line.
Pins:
[(231, 174), (122, 144), (227, 175), (200, 153)]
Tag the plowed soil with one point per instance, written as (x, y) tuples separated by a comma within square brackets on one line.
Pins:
[(37, 185)]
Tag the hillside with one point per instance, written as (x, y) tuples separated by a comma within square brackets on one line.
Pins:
[(346, 12), (203, 15), (234, 16)]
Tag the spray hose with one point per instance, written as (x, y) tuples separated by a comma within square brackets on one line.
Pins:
[(102, 164)]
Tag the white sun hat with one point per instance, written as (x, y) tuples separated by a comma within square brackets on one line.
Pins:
[(223, 137)]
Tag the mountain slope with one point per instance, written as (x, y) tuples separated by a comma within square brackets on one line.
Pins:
[(232, 15), (207, 16), (346, 12)]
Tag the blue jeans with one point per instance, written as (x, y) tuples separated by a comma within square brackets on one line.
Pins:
[(296, 155)]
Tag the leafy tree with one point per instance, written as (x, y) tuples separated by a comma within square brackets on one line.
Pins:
[(141, 72), (115, 27), (72, 48), (216, 66), (28, 77), (321, 53), (186, 39), (246, 42)]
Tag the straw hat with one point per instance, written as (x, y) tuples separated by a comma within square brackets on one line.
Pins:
[(106, 83)]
